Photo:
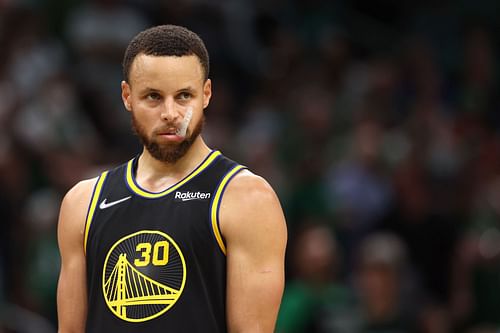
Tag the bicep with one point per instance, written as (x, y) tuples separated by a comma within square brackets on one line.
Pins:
[(255, 233), (71, 290)]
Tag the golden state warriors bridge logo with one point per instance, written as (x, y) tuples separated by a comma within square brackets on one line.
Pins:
[(143, 276)]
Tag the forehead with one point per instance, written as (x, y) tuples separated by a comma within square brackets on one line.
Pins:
[(166, 71)]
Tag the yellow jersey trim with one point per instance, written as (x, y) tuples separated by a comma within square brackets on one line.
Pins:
[(151, 195), (214, 210), (92, 207)]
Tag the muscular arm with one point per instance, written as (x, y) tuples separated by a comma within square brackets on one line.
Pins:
[(253, 225), (72, 288)]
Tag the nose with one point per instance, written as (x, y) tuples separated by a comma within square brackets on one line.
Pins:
[(169, 111)]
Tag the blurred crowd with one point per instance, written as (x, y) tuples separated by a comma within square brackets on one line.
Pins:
[(377, 122)]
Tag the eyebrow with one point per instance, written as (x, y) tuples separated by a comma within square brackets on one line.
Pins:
[(149, 89), (188, 88)]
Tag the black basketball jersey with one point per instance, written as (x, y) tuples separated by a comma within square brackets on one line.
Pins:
[(156, 261)]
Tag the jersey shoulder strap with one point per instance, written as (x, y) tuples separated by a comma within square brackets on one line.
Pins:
[(231, 170)]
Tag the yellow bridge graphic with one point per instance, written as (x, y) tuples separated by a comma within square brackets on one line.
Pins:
[(127, 286)]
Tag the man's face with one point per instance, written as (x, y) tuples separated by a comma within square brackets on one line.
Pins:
[(158, 94)]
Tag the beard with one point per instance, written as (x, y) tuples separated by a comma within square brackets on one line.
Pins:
[(167, 152)]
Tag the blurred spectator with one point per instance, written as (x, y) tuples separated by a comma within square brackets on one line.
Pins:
[(476, 279), (315, 300), (98, 32), (435, 318), (386, 291), (359, 191), (263, 126), (42, 264), (52, 120), (305, 140), (33, 55)]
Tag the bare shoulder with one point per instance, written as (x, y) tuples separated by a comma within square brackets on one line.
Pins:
[(79, 195), (74, 210), (81, 190), (250, 205), (250, 193), (250, 185)]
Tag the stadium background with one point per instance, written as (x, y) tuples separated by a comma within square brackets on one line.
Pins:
[(377, 122)]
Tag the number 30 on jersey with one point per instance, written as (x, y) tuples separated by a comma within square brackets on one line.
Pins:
[(159, 256)]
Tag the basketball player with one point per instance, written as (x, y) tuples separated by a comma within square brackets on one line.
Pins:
[(179, 238)]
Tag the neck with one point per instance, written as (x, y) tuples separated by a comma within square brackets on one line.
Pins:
[(154, 175)]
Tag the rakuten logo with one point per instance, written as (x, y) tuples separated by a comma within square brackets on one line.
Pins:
[(187, 196)]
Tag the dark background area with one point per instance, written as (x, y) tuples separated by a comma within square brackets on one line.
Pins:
[(377, 123)]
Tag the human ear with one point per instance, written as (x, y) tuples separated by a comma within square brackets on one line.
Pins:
[(126, 96), (207, 92)]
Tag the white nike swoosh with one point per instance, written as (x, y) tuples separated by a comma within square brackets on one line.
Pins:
[(105, 204)]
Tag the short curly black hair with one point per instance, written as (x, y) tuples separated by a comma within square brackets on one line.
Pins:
[(166, 40)]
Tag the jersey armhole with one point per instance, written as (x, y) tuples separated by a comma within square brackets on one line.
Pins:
[(215, 205), (92, 206)]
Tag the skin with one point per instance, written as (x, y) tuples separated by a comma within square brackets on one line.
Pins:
[(251, 218)]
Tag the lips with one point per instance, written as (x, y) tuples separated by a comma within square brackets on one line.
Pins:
[(166, 130), (168, 134), (171, 131)]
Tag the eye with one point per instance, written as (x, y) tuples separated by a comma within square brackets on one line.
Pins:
[(185, 95), (154, 96)]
